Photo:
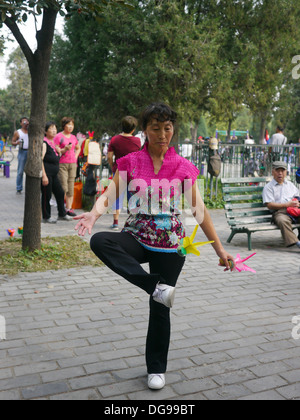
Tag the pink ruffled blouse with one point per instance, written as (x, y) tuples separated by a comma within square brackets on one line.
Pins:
[(154, 199)]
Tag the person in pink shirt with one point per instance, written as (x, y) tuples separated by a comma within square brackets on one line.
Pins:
[(50, 181), (156, 176), (68, 147), (119, 146)]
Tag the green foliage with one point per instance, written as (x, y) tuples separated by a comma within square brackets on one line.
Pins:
[(145, 61), (13, 13), (18, 10), (200, 56), (208, 57), (15, 100), (216, 202), (288, 110)]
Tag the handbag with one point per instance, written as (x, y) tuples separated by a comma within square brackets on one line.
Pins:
[(214, 165), (90, 186), (294, 211)]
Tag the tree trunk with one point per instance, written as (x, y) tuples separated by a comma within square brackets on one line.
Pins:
[(38, 63), (229, 131), (32, 214), (33, 168), (194, 130), (262, 130), (39, 68)]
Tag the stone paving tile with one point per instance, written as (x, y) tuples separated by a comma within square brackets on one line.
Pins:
[(83, 335)]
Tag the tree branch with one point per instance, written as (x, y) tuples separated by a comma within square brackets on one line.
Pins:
[(13, 27), (45, 35)]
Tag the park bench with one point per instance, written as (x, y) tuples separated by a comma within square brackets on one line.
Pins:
[(245, 210)]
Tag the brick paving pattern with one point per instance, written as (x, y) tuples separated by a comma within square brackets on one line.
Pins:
[(80, 334)]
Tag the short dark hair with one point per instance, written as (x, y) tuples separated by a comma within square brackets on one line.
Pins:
[(48, 125), (158, 111), (129, 124), (65, 121), (280, 128), (24, 118)]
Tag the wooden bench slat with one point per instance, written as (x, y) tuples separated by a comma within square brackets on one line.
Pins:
[(245, 180), (231, 214), (229, 190), (263, 228), (248, 221), (244, 206), (243, 197), (271, 227), (253, 229)]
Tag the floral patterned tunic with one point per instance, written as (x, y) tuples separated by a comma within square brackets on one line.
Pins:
[(154, 199)]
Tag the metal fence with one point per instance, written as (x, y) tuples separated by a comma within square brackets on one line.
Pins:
[(238, 160)]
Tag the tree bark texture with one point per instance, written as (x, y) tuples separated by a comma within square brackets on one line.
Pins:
[(38, 63), (262, 130), (32, 214)]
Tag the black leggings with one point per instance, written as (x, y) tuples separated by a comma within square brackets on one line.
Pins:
[(55, 188), (123, 254)]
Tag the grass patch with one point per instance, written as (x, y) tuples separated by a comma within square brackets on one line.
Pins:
[(55, 254)]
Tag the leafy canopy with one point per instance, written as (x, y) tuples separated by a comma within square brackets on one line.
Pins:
[(18, 10)]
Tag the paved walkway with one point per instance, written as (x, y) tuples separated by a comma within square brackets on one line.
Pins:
[(82, 335)]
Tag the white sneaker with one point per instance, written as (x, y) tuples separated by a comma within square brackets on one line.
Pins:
[(156, 381), (66, 218), (51, 220), (164, 294)]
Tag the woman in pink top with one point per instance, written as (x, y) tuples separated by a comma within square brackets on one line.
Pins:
[(156, 177), (67, 146)]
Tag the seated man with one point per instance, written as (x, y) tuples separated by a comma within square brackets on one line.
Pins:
[(278, 195)]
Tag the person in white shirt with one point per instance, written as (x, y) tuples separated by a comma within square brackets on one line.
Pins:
[(186, 149), (278, 139), (278, 195), (20, 138)]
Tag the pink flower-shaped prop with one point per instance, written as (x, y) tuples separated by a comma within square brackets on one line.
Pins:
[(239, 264)]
